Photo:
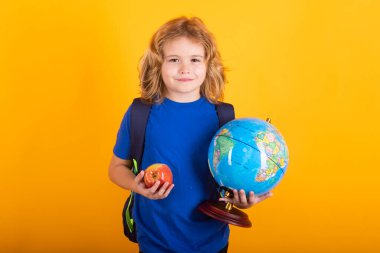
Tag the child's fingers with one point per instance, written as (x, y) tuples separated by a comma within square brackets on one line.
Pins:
[(169, 190), (154, 188), (263, 197), (251, 198), (236, 197), (139, 177), (163, 188), (233, 200), (243, 197), (224, 200)]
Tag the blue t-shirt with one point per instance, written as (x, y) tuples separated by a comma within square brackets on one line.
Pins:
[(177, 134)]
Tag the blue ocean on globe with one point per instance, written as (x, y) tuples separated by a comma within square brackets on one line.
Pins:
[(248, 154)]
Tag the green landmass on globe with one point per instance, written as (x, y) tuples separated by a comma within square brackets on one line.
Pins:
[(222, 146)]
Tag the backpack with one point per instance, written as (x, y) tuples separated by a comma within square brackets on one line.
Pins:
[(139, 118)]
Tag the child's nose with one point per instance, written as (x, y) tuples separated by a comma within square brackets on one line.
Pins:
[(184, 68)]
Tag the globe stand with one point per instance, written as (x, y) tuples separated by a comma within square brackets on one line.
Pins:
[(225, 212)]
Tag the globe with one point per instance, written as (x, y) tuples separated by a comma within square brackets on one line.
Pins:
[(248, 154)]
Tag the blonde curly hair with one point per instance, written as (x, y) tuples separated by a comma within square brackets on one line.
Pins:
[(151, 83)]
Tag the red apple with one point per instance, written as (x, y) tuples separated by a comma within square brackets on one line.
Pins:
[(158, 172)]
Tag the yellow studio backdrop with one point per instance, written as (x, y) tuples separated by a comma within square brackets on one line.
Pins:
[(68, 71)]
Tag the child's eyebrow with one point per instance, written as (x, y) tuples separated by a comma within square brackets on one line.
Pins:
[(174, 55)]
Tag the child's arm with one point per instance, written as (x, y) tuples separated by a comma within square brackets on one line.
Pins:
[(120, 173), (240, 199)]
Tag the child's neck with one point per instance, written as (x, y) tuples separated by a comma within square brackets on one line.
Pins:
[(183, 98)]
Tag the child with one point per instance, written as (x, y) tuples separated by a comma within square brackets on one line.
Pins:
[(182, 75)]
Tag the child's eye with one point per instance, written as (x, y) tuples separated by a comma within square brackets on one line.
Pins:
[(173, 60), (195, 60)]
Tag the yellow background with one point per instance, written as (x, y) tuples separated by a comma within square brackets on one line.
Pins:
[(68, 71)]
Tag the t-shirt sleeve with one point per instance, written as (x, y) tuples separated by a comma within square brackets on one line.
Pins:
[(122, 145)]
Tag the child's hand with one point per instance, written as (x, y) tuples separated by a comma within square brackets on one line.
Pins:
[(154, 192), (240, 199)]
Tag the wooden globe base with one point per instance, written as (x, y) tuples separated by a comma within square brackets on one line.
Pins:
[(229, 214)]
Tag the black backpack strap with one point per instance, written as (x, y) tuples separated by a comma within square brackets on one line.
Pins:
[(225, 113), (139, 118)]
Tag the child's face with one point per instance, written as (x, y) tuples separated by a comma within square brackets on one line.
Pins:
[(183, 69)]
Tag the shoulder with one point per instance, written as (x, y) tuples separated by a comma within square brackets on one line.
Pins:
[(138, 107), (225, 107), (140, 103), (134, 109), (222, 103)]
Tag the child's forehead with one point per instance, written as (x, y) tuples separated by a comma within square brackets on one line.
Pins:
[(183, 45)]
